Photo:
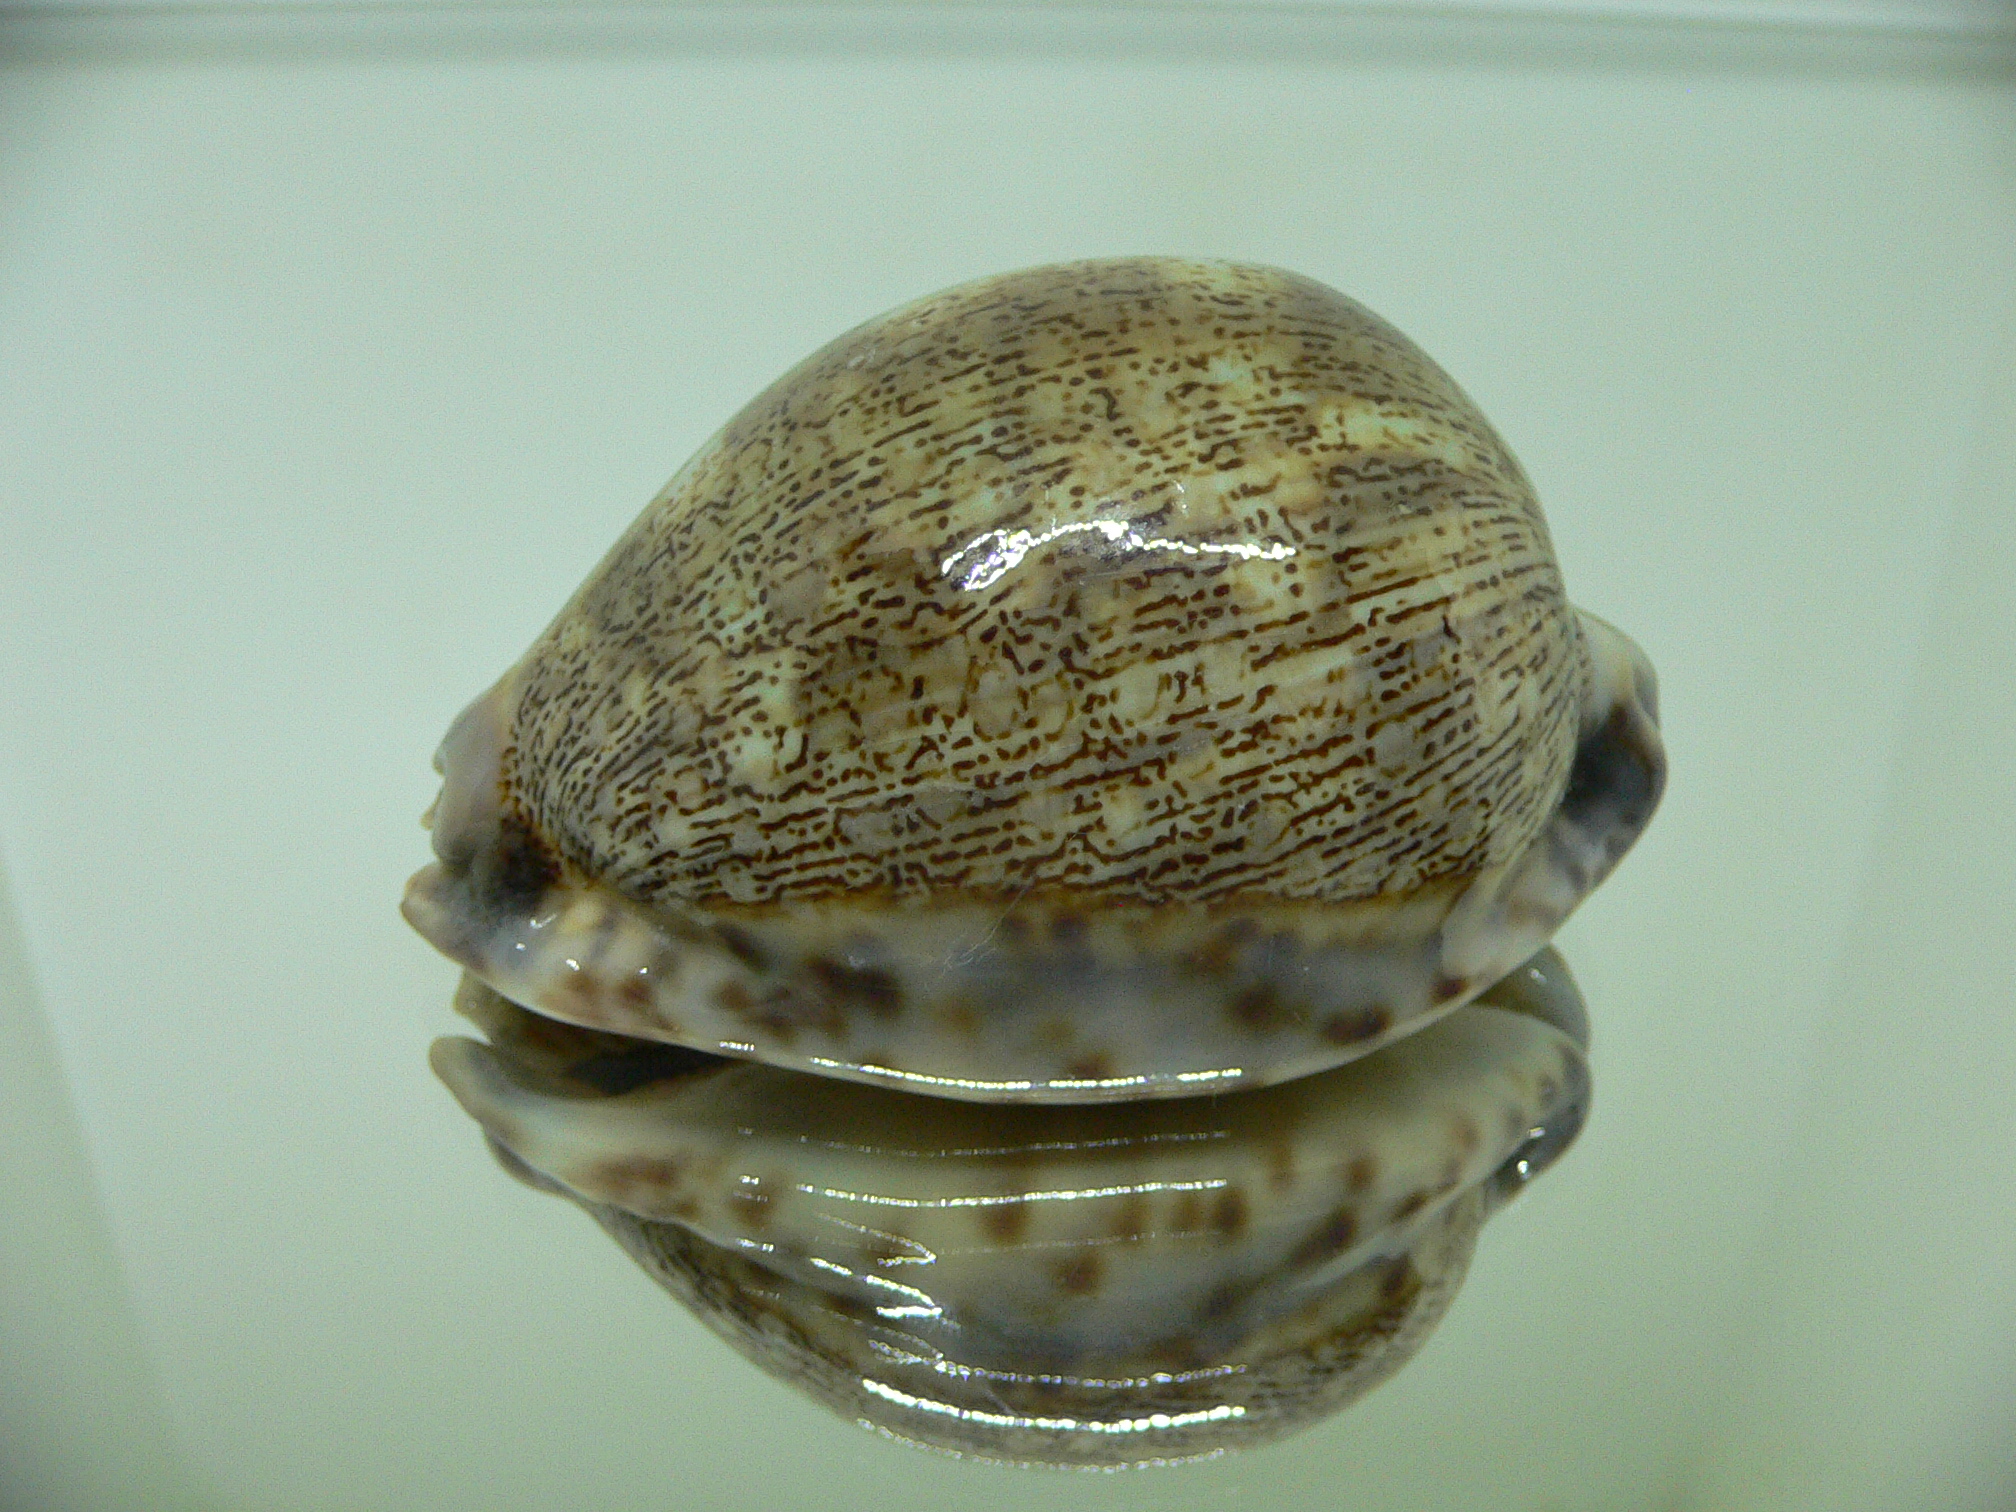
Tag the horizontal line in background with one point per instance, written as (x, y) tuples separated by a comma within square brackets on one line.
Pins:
[(1954, 18), (1946, 38)]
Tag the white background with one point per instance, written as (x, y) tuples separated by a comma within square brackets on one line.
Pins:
[(333, 354)]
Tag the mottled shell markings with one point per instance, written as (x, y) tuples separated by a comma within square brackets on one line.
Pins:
[(1105, 681), (1098, 1285), (1161, 580), (1070, 694)]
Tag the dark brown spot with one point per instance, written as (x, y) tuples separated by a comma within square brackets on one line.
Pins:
[(1220, 953), (513, 872), (1132, 1221), (551, 1036), (1004, 1222), (631, 1178), (775, 1023), (742, 946), (1411, 1204), (1468, 1135), (583, 989), (1067, 928), (1617, 777), (1080, 1275), (732, 997), (1361, 1173), (960, 1017), (1096, 1066), (1222, 1302), (1281, 1164), (636, 991), (1401, 1279), (1189, 1214), (1449, 987), (1357, 1026), (1228, 1213), (751, 1204), (862, 986), (1257, 1007), (1055, 1035), (1338, 1233)]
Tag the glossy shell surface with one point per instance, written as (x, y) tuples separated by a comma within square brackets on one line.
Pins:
[(1095, 1285), (1116, 680)]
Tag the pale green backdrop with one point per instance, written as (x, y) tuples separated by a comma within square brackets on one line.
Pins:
[(336, 346)]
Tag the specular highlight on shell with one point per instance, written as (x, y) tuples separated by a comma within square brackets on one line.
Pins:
[(1113, 680), (1096, 1285), (1018, 889)]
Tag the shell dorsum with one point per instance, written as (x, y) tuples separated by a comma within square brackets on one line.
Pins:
[(1103, 680), (1157, 581)]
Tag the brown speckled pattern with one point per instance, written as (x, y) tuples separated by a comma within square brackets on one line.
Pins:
[(1149, 579), (1109, 681), (1314, 1361), (1044, 1283), (1041, 999), (1072, 693)]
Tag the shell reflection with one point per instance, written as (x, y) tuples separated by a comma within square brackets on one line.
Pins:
[(1088, 1285)]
